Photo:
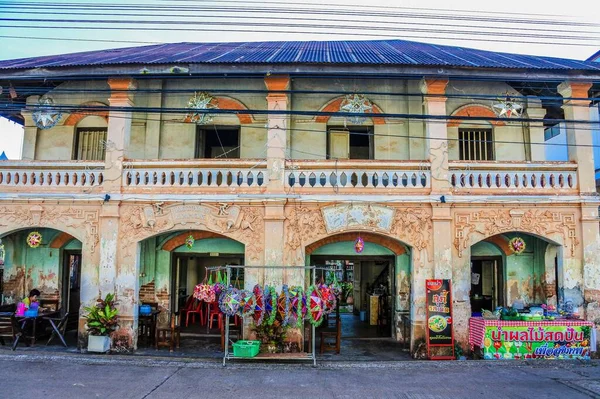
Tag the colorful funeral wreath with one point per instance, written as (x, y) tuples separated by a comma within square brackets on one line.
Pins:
[(328, 297), (247, 303), (34, 239), (283, 305), (295, 313), (517, 245), (314, 304), (229, 301), (259, 305), (270, 297)]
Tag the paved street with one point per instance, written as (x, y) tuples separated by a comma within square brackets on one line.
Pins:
[(97, 377)]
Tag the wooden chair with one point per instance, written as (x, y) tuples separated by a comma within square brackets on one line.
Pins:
[(336, 333), (170, 335), (50, 304), (6, 330)]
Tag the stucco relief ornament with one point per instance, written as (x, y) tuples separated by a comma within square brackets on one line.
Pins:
[(507, 107), (198, 105), (45, 114), (34, 239), (356, 104)]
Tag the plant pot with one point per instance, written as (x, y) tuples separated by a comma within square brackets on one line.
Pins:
[(100, 344)]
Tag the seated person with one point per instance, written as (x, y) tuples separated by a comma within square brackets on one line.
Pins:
[(32, 298)]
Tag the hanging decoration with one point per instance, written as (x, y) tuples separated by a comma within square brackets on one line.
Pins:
[(45, 115), (219, 286), (283, 305), (270, 297), (507, 107), (247, 303), (356, 104), (229, 301), (198, 105), (259, 305), (517, 245), (189, 241), (359, 245), (295, 311), (328, 298), (34, 239), (314, 304)]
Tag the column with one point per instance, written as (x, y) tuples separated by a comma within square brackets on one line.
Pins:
[(436, 134), (579, 135), (154, 122), (30, 130), (277, 131), (536, 129), (119, 131)]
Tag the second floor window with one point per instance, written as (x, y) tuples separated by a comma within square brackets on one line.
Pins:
[(217, 142), (90, 144), (354, 142), (475, 145)]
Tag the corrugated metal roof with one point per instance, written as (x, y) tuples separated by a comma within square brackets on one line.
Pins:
[(373, 52), (595, 57)]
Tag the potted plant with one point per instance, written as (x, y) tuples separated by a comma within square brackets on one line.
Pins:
[(101, 322)]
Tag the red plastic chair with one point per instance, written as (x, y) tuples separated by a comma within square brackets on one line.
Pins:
[(196, 310), (213, 310), (189, 305)]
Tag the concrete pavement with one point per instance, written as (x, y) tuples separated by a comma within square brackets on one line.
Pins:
[(41, 376)]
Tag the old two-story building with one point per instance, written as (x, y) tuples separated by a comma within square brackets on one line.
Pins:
[(288, 154)]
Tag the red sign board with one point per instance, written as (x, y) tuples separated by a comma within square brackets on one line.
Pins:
[(439, 316)]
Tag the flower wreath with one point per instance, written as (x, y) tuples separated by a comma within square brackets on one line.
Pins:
[(283, 305), (314, 304), (259, 305), (229, 301), (517, 245), (34, 239), (295, 315), (247, 303), (328, 297), (270, 298)]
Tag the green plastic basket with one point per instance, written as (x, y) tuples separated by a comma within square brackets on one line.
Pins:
[(246, 348)]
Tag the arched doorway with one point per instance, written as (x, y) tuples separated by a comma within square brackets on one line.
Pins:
[(375, 282), (172, 264), (45, 259), (503, 277)]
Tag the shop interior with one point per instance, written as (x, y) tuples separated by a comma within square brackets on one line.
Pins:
[(365, 304)]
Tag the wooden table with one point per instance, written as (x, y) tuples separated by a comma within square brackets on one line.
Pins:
[(23, 321), (148, 322)]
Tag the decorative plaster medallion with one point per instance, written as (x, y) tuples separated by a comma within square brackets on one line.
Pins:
[(356, 104), (45, 115), (198, 105), (340, 217)]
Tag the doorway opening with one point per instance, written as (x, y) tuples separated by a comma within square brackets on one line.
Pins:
[(366, 305), (487, 283)]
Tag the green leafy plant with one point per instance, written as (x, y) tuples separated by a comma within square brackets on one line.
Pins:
[(102, 318), (271, 334)]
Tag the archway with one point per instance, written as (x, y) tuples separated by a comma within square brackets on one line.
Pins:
[(171, 265), (45, 259), (502, 275), (378, 302)]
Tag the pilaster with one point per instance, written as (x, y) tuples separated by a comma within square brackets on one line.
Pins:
[(154, 123), (579, 137), (277, 131), (436, 133), (119, 131), (536, 129)]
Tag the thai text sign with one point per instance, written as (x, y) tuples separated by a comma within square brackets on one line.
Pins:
[(542, 342), (439, 312)]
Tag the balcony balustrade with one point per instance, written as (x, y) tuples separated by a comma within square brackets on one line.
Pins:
[(513, 177), (52, 175), (206, 175), (357, 176)]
